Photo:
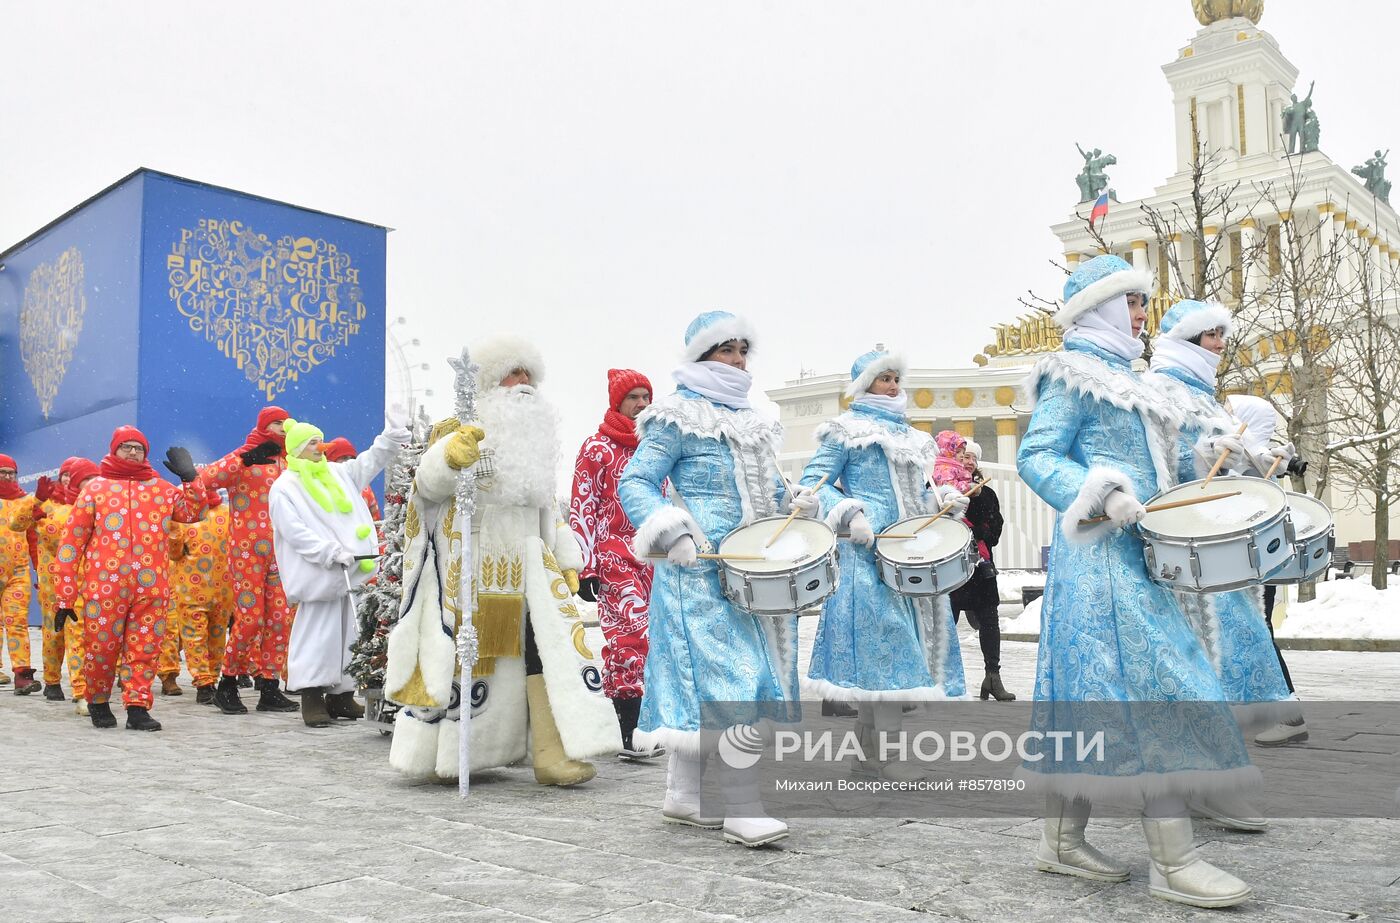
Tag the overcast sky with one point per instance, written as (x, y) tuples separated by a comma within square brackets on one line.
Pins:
[(594, 174)]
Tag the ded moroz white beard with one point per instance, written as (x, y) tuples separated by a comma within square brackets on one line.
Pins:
[(522, 428)]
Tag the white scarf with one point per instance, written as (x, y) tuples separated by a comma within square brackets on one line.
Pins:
[(897, 405), (1109, 327), (1171, 353), (718, 381)]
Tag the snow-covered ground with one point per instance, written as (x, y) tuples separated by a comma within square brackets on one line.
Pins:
[(1010, 582), (1345, 609)]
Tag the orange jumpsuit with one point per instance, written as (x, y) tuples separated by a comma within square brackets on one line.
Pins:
[(262, 621), (15, 556), (114, 555), (201, 597), (69, 644)]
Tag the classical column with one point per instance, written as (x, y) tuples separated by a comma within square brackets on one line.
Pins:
[(1006, 440), (1071, 261), (965, 427), (1139, 255), (1258, 266)]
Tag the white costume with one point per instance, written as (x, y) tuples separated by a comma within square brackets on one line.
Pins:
[(307, 540)]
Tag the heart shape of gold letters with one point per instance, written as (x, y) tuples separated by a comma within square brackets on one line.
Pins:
[(50, 321), (278, 309)]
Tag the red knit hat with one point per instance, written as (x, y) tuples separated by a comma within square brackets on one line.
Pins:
[(270, 415), (338, 449), (8, 462), (80, 470), (128, 434), (622, 381)]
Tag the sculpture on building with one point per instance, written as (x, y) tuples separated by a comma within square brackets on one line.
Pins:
[(1092, 179), (1372, 173), (1300, 124), (1212, 11)]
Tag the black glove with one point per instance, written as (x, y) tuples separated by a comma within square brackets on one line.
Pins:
[(61, 616), (261, 454), (588, 589), (179, 463)]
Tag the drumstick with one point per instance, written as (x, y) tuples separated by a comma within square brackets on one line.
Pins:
[(1274, 467), (1221, 460), (706, 556), (1169, 506), (939, 514), (791, 516)]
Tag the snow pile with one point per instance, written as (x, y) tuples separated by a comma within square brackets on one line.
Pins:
[(1009, 583), (1026, 623), (1345, 609)]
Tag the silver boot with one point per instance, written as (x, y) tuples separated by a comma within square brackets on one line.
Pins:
[(1179, 874), (1063, 849)]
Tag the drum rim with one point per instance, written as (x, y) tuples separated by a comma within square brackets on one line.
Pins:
[(934, 561), (1330, 526), (1161, 495), (1263, 525), (796, 569)]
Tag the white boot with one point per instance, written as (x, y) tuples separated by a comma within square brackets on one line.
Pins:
[(1063, 849), (889, 716), (1179, 874), (1230, 810), (868, 763), (80, 708), (1282, 734), (684, 775), (745, 821)]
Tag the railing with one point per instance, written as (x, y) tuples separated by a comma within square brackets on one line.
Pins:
[(1028, 521)]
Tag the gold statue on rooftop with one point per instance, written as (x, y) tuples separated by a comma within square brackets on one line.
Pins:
[(1211, 11)]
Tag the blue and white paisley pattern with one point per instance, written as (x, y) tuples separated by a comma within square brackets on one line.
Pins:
[(1108, 633), (1231, 626), (702, 649), (873, 643)]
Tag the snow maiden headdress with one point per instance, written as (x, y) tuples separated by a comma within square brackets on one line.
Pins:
[(1095, 304), (1185, 321), (721, 383)]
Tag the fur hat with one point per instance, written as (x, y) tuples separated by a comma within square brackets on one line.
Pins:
[(869, 366), (1097, 281), (974, 449), (1188, 319), (621, 382), (712, 328), (502, 355)]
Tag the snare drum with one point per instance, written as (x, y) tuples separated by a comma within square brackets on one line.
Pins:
[(1313, 540), (1221, 545), (937, 560), (798, 571)]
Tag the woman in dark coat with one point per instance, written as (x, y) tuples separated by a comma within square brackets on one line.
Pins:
[(979, 598)]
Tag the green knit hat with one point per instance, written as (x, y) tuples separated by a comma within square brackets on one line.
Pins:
[(298, 435)]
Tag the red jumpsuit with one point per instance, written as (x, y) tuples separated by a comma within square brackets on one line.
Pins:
[(114, 556), (262, 622), (624, 583)]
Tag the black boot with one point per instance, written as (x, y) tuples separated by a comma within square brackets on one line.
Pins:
[(245, 682), (991, 686), (343, 705), (101, 715), (270, 698), (313, 710), (226, 697), (138, 719), (25, 682), (54, 692), (833, 709), (204, 695), (628, 711)]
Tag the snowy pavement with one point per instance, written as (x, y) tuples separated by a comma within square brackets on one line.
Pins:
[(259, 818)]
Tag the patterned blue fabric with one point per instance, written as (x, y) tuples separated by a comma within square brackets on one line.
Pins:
[(1108, 633), (1231, 626), (702, 649), (872, 640), (1091, 271)]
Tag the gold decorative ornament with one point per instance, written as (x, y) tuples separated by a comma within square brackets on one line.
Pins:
[(923, 398), (963, 397), (1005, 395), (1213, 11)]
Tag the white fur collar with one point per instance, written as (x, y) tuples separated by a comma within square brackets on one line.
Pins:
[(1196, 406), (699, 417), (857, 431), (1087, 375)]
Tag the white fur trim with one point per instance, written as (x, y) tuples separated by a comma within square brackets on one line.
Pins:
[(664, 527), (1211, 316), (419, 638), (887, 363), (449, 756), (1111, 286), (1256, 716), (858, 431), (500, 728), (695, 744), (1089, 376), (1098, 484), (1128, 790), (414, 748), (831, 692), (699, 417), (733, 328), (498, 357), (843, 512)]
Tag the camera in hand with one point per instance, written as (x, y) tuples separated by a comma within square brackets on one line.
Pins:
[(1296, 467)]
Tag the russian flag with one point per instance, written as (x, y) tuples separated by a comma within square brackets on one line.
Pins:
[(1100, 209)]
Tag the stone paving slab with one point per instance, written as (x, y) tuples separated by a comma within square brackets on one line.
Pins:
[(257, 817)]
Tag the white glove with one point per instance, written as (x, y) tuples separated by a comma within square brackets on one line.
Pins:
[(1123, 509), (947, 494), (396, 423), (1283, 453), (806, 503), (861, 533), (1214, 445), (682, 553), (343, 558)]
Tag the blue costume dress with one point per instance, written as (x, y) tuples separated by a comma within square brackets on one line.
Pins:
[(1231, 626), (1111, 639), (872, 643), (710, 665)]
